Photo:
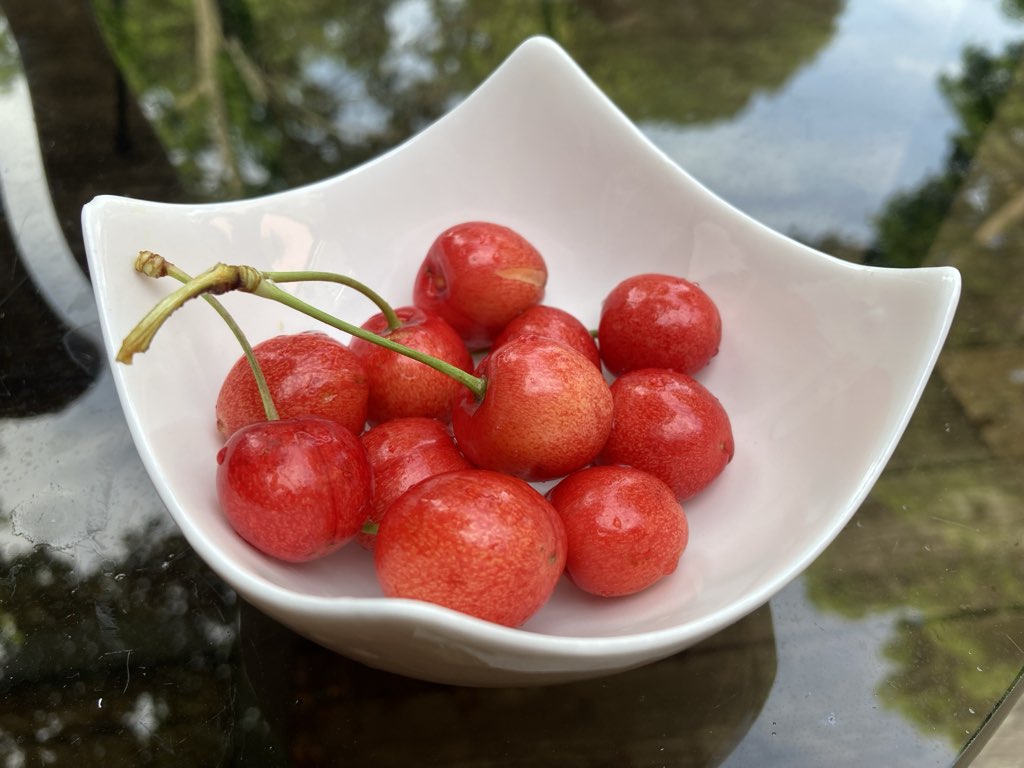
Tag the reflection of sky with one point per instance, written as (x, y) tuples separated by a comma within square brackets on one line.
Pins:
[(68, 479), (830, 684), (777, 160), (413, 32)]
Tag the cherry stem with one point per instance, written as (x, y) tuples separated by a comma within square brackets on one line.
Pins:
[(393, 321), (154, 265), (222, 278), (268, 290), (218, 279)]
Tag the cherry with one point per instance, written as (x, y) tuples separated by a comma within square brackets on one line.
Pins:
[(296, 489), (478, 276), (658, 321), (309, 374), (625, 529), (475, 541), (553, 323), (402, 452), (670, 425), (546, 411), (400, 386)]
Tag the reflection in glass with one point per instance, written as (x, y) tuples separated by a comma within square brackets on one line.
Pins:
[(942, 527), (691, 709), (264, 97), (129, 665)]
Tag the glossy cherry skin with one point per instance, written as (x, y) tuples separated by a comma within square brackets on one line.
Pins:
[(475, 541), (402, 453), (547, 411), (658, 321), (478, 276), (669, 424), (625, 529), (401, 386), (552, 323), (296, 489), (309, 374)]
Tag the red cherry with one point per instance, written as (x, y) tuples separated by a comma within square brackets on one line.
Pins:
[(309, 374), (402, 452), (401, 386), (670, 425), (624, 526), (296, 489), (658, 321), (475, 541), (552, 323), (478, 276), (546, 412)]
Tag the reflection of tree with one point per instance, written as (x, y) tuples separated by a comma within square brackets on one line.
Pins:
[(8, 56), (666, 61), (939, 538), (251, 95), (92, 141), (929, 540), (908, 226), (157, 633)]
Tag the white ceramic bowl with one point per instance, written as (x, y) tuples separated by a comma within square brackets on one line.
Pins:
[(821, 364)]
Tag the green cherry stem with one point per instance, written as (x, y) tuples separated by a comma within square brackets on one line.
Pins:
[(154, 265), (268, 290), (216, 280), (222, 278), (394, 323)]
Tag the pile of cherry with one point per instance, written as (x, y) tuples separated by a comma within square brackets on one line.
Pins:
[(427, 460)]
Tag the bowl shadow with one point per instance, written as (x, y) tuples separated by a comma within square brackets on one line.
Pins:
[(689, 709)]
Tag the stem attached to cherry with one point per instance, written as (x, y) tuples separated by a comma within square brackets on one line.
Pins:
[(393, 321), (222, 278)]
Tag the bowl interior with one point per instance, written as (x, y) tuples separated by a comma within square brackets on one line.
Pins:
[(820, 367)]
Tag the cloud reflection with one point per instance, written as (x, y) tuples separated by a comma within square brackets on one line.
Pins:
[(874, 90)]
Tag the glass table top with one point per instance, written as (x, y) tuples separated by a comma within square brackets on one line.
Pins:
[(880, 131)]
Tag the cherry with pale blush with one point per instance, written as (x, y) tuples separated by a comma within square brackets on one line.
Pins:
[(669, 424), (546, 412), (295, 489), (658, 321), (625, 529), (553, 323), (402, 453), (309, 374), (476, 541), (478, 276), (400, 386)]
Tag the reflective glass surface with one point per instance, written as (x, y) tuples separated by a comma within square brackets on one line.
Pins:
[(885, 132)]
